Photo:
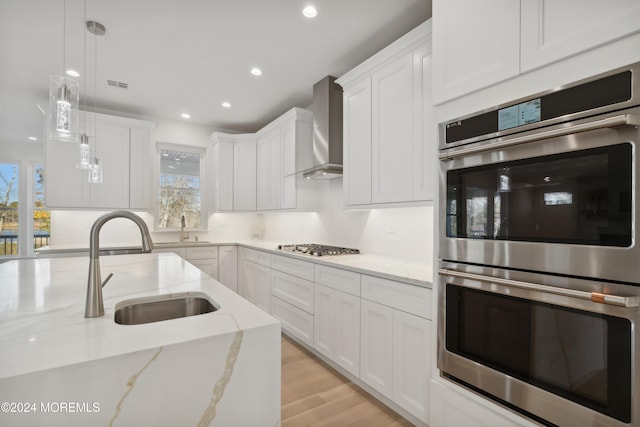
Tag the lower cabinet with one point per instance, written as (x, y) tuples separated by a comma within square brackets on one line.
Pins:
[(337, 327), (395, 356), (228, 266), (203, 257), (257, 284)]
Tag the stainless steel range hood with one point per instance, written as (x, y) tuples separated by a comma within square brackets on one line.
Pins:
[(327, 130)]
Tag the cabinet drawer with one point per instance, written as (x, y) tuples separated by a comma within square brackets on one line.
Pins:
[(296, 267), (342, 280), (412, 299), (293, 290), (202, 252), (259, 257), (208, 266), (295, 322)]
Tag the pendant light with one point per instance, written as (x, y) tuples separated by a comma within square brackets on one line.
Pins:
[(63, 99), (84, 151), (95, 173)]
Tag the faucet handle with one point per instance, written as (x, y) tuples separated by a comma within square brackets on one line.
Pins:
[(107, 279)]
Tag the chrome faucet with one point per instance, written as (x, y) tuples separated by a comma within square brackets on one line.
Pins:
[(95, 304), (184, 235)]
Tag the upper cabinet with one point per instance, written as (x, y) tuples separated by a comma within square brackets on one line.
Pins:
[(234, 172), (123, 149), (258, 171), (553, 30), (478, 44), (386, 106), (475, 44)]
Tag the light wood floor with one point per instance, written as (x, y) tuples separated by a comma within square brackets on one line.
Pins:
[(313, 394)]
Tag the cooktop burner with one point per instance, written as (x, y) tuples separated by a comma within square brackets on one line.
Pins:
[(317, 250)]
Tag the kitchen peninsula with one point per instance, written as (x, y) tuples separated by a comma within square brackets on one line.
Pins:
[(57, 367)]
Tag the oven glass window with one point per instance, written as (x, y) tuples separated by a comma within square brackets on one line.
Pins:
[(580, 197), (579, 355)]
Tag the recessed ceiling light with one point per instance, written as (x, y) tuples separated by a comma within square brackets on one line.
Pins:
[(32, 138), (226, 104), (309, 12), (73, 73), (185, 115), (256, 71)]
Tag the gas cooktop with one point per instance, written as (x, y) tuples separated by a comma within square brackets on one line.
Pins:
[(317, 250)]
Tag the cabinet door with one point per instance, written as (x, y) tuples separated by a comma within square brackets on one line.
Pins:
[(208, 266), (224, 162), (424, 127), (289, 148), (554, 30), (263, 174), (324, 320), (475, 44), (347, 332), (376, 347), (228, 266), (244, 176), (140, 183), (250, 282), (357, 143), (113, 152), (276, 182), (392, 131), (411, 363)]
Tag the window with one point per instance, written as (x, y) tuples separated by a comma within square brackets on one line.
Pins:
[(9, 214), (41, 215), (180, 187)]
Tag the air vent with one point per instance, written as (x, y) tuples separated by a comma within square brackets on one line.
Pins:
[(121, 85)]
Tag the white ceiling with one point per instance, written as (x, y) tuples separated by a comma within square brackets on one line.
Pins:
[(188, 56)]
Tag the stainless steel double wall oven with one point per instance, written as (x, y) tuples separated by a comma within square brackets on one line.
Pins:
[(539, 260)]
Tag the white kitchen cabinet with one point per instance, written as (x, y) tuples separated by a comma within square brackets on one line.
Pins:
[(257, 284), (234, 172), (424, 127), (551, 31), (479, 44), (122, 147), (228, 266), (411, 363), (357, 143), (475, 44), (376, 346), (337, 327), (462, 408), (387, 155), (391, 136), (205, 257), (295, 322), (244, 173), (283, 145)]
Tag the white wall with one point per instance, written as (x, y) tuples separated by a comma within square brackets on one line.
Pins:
[(396, 232)]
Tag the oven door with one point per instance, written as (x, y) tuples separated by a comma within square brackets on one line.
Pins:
[(561, 199), (541, 345)]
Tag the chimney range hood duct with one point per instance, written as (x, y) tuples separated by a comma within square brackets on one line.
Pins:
[(327, 130)]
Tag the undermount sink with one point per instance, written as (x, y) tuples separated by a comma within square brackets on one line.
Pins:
[(163, 307)]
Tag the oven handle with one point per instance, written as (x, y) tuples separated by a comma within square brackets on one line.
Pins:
[(621, 120), (617, 300)]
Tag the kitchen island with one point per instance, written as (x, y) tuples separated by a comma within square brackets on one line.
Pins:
[(59, 368)]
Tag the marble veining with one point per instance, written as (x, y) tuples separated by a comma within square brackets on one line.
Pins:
[(131, 383), (218, 390)]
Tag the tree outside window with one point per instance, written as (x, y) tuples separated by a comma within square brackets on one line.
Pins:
[(9, 215), (41, 215)]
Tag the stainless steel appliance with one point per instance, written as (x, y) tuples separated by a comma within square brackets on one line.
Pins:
[(540, 268), (317, 250)]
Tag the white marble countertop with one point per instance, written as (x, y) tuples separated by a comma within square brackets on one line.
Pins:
[(393, 268), (413, 273), (42, 304)]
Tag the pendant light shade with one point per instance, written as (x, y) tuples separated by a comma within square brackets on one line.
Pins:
[(63, 109), (84, 153), (95, 173)]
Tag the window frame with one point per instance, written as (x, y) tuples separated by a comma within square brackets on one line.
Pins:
[(201, 151)]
